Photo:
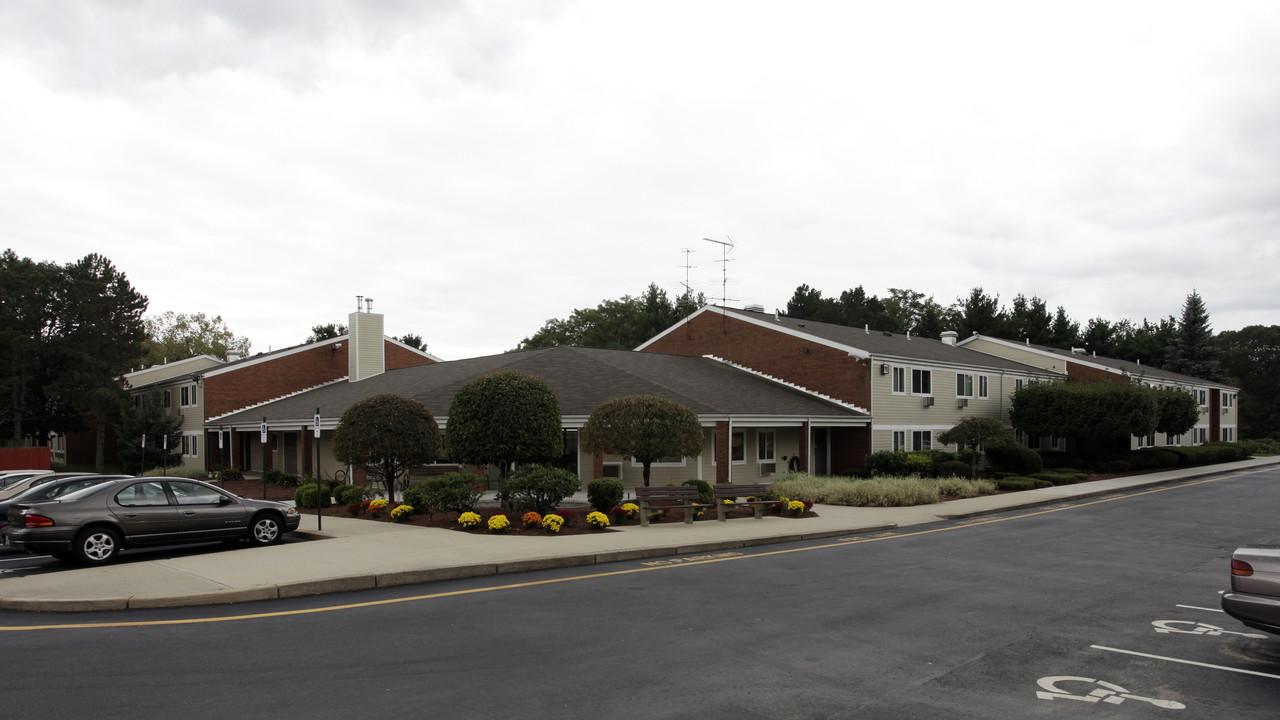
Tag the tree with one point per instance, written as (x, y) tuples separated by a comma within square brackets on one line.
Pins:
[(1176, 411), (979, 313), (328, 331), (413, 341), (177, 336), (643, 427), (1064, 333), (150, 421), (1251, 358), (1192, 351), (1028, 319), (1103, 409), (975, 431), (387, 435), (617, 324), (504, 418), (27, 327)]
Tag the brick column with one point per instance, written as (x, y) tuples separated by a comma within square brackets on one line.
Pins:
[(722, 451)]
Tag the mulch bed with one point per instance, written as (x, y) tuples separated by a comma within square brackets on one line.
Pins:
[(575, 515)]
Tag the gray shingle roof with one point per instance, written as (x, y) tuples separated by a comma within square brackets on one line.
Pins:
[(880, 344), (1134, 369), (582, 378)]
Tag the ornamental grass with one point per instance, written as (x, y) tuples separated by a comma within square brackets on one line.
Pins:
[(876, 492)]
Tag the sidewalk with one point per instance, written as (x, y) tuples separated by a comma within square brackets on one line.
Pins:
[(352, 554)]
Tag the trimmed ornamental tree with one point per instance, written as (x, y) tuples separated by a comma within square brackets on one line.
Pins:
[(1080, 410), (1177, 411), (387, 435), (975, 431), (504, 418), (644, 427)]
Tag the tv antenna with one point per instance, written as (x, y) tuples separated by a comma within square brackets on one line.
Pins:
[(726, 246), (688, 290)]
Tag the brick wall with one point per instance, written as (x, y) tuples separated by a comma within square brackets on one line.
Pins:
[(398, 357), (797, 360), (251, 384)]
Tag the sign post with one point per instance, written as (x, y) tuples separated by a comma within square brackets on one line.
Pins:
[(142, 465), (262, 430), (319, 485)]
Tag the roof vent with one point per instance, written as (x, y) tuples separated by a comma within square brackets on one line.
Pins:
[(233, 355), (754, 308), (1078, 351), (949, 337)]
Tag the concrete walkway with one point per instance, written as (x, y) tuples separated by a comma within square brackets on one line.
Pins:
[(355, 554)]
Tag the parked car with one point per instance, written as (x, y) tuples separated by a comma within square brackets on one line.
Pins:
[(52, 489), (31, 481), (93, 524), (9, 477), (1254, 598)]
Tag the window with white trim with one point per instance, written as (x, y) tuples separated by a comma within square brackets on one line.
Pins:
[(1228, 400), (964, 385), (921, 439), (899, 381), (737, 448), (188, 395), (168, 399), (899, 440), (190, 444), (764, 446), (1228, 434), (982, 386), (921, 382), (1202, 397)]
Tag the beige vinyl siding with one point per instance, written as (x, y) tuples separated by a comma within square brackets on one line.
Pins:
[(1025, 356), (703, 467)]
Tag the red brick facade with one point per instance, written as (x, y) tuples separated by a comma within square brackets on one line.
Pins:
[(253, 383), (803, 362)]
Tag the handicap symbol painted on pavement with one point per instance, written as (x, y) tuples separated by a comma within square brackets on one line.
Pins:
[(1105, 692), (1198, 628)]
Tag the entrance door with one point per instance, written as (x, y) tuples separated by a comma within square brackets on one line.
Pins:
[(821, 452), (291, 453)]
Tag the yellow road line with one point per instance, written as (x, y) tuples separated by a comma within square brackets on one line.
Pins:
[(595, 576)]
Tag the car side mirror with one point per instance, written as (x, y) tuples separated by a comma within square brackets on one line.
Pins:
[(224, 500)]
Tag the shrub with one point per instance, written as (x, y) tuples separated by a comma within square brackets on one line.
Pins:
[(227, 475), (539, 488), (498, 523), (347, 494), (953, 468), (1115, 466), (597, 520), (402, 512), (376, 506), (604, 494), (705, 494), (450, 492), (1015, 458), (963, 487), (531, 520), (552, 522), (468, 519), (278, 477), (631, 509), (305, 496), (796, 508), (1262, 446), (887, 463), (1022, 483)]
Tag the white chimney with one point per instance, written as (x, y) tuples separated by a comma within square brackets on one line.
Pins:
[(233, 355), (366, 354)]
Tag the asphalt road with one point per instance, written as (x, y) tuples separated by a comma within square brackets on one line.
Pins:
[(1114, 596)]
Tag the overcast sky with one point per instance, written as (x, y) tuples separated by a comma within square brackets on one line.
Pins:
[(480, 167)]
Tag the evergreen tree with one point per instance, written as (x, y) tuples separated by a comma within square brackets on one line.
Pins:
[(1193, 350), (149, 419)]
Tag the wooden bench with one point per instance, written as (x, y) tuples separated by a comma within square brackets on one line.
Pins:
[(732, 491), (679, 496)]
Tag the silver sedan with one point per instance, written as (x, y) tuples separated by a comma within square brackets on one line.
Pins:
[(1254, 598)]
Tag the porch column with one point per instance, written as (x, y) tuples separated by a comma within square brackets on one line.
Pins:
[(307, 452), (722, 451), (804, 447)]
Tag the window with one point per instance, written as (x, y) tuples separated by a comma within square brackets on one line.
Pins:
[(168, 399), (737, 451), (899, 440), (143, 495), (191, 444), (921, 382), (1055, 443), (1033, 441), (188, 397), (1202, 397), (921, 439), (1172, 439), (1017, 384), (1228, 434), (1151, 440), (1142, 441), (764, 446), (188, 493), (1228, 400), (899, 381), (982, 386), (964, 385)]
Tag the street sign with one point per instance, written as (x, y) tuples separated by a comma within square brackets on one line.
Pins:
[(262, 430), (317, 423)]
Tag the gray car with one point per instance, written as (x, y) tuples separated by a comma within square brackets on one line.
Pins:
[(1254, 598), (92, 525), (52, 489)]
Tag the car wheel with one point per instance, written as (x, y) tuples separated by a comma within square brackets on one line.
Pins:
[(265, 530), (97, 546)]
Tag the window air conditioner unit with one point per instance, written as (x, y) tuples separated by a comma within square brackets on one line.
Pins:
[(962, 403), (884, 368), (928, 402)]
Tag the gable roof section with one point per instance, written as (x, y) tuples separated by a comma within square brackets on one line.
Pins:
[(1113, 365), (867, 344), (582, 379), (167, 372)]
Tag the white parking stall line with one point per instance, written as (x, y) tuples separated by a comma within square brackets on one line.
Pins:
[(1195, 607), (1186, 662)]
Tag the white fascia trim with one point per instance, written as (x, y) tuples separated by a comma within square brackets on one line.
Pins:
[(275, 399), (163, 366), (1081, 359), (852, 351), (783, 421), (268, 357), (791, 385), (411, 348)]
